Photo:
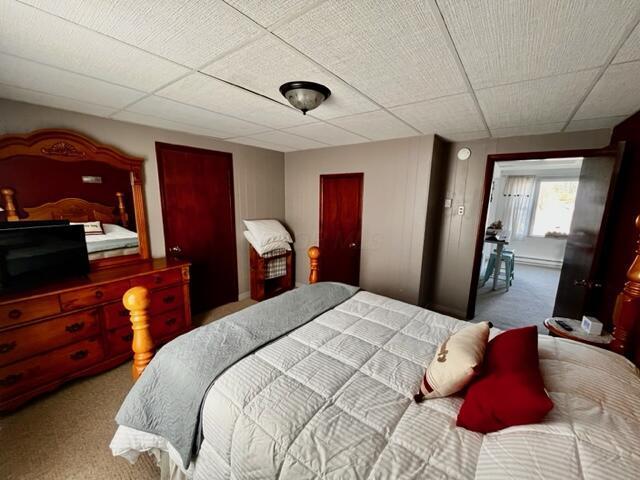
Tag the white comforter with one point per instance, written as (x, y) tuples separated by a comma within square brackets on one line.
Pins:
[(333, 399)]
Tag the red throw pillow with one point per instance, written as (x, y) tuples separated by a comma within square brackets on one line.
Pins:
[(510, 390)]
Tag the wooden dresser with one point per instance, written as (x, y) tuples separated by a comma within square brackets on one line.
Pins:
[(80, 327)]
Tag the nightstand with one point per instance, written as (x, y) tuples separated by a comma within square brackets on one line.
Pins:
[(577, 334)]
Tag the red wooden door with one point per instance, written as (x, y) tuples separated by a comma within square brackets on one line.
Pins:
[(196, 189), (579, 286), (340, 227)]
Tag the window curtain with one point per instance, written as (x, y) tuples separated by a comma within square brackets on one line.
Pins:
[(518, 201)]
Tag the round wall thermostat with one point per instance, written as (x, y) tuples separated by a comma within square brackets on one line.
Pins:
[(464, 153)]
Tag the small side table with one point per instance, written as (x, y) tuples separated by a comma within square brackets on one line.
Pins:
[(577, 334)]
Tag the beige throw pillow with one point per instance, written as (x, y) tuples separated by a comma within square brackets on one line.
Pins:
[(457, 360)]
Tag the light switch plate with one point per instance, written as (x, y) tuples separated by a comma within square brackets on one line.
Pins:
[(460, 209), (448, 202)]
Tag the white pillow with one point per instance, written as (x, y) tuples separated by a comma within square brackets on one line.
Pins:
[(267, 231), (457, 361), (269, 247), (91, 228)]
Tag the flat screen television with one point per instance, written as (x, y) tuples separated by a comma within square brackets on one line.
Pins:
[(32, 255)]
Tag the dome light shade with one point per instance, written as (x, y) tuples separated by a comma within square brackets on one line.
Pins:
[(305, 96)]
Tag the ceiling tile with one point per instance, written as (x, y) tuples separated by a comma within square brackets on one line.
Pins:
[(508, 41), (377, 125), (190, 115), (152, 121), (268, 13), (261, 144), (457, 113), (215, 95), (267, 63), (44, 79), (288, 140), (393, 51), (325, 133), (630, 49), (36, 35), (616, 93), (546, 100), (465, 136), (189, 33), (594, 123), (527, 130), (38, 98)]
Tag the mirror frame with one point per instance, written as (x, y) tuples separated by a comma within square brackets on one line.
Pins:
[(70, 146)]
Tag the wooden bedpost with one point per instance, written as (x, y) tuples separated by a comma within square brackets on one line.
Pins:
[(9, 204), (626, 314), (136, 300), (314, 253), (122, 211)]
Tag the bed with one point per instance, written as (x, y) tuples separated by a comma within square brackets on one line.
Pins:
[(333, 399), (117, 239)]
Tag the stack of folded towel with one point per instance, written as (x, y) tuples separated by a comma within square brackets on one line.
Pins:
[(269, 238)]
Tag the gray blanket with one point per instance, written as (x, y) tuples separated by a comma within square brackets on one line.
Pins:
[(167, 399)]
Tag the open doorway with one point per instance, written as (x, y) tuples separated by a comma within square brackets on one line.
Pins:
[(529, 215), (540, 236)]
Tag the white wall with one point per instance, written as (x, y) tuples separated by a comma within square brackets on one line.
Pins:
[(258, 173), (396, 179)]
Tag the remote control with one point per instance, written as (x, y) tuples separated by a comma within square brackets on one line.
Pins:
[(564, 325)]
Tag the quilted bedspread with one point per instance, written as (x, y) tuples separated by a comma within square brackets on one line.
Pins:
[(333, 399)]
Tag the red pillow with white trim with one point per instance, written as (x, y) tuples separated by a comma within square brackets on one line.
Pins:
[(510, 390)]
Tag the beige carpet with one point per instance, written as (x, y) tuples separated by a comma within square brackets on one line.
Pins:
[(65, 435)]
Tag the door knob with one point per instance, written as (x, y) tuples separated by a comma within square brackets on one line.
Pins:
[(175, 250), (353, 245)]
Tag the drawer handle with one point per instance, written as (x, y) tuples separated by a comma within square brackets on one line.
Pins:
[(99, 294), (74, 327), (128, 337), (7, 347), (169, 299), (79, 355), (157, 279), (10, 380), (170, 321), (15, 314)]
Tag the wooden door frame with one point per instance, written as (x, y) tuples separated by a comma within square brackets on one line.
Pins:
[(359, 175), (610, 150), (163, 202)]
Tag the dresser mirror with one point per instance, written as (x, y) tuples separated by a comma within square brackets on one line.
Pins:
[(62, 175)]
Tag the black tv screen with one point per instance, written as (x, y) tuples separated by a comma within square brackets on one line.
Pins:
[(32, 255)]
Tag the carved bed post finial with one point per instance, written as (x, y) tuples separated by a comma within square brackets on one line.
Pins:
[(9, 204), (136, 300), (626, 314), (314, 253), (122, 211)]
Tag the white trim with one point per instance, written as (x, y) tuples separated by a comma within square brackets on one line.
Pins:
[(539, 262), (244, 295)]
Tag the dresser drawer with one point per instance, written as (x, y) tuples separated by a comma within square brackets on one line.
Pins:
[(38, 370), (115, 315), (159, 279), (166, 324), (86, 297), (22, 342), (166, 299), (119, 340), (19, 312)]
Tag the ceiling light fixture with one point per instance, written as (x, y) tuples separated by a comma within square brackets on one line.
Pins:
[(305, 96)]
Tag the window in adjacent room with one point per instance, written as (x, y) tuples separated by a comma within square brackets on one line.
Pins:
[(554, 206)]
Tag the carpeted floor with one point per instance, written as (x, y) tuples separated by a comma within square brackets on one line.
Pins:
[(65, 435), (528, 302)]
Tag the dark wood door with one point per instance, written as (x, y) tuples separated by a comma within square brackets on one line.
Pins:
[(579, 285), (196, 189), (340, 227)]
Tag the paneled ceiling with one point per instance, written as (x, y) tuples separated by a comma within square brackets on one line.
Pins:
[(463, 69)]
